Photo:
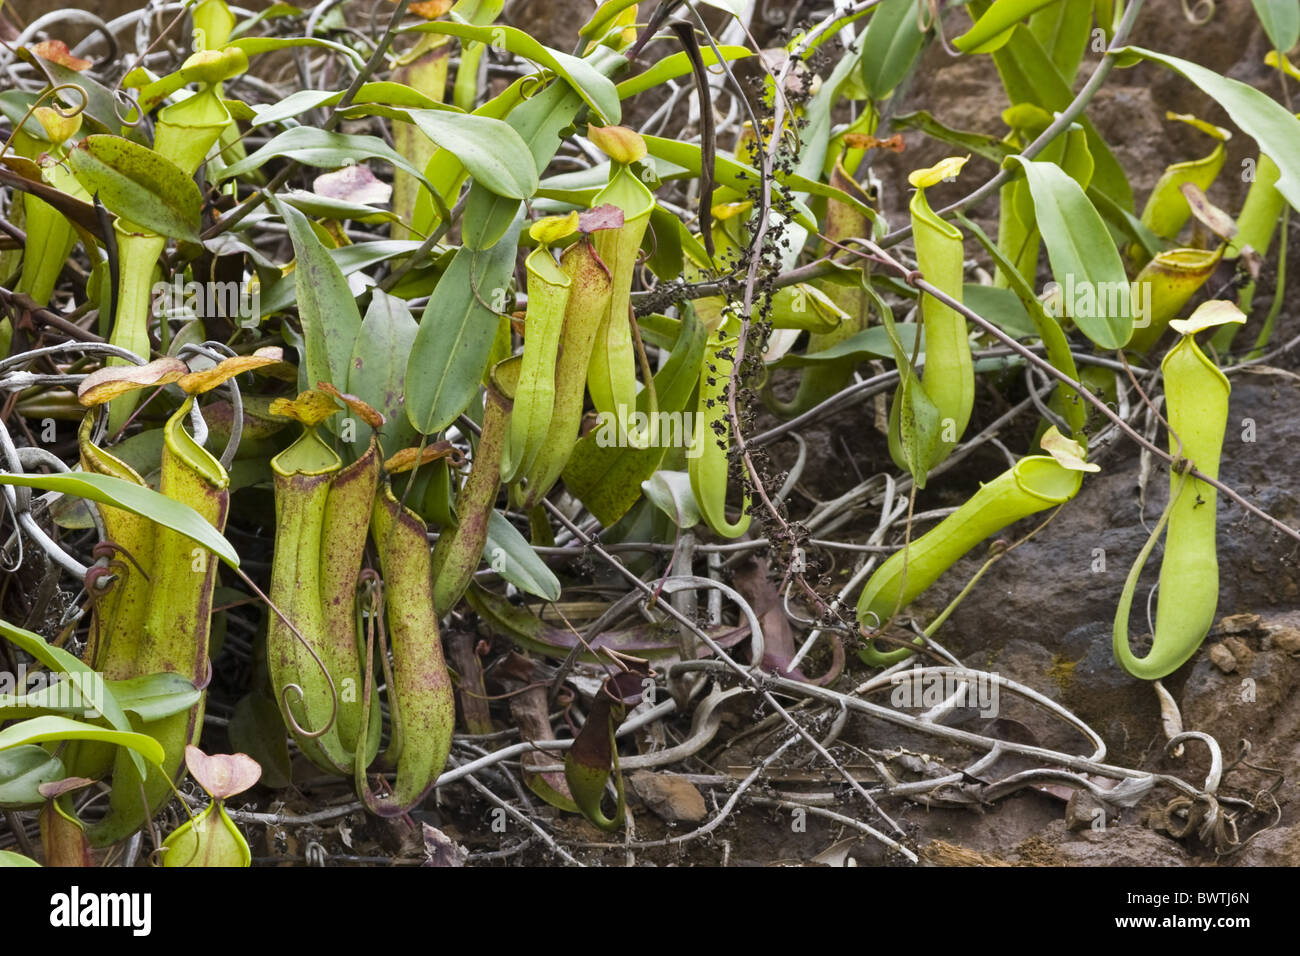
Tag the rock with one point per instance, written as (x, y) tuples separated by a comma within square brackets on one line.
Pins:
[(1239, 624), (1222, 658), (1286, 639), (1111, 846), (1277, 847), (669, 796), (1240, 650), (1084, 812)]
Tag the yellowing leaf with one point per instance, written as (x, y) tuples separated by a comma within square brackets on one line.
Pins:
[(409, 458), (1208, 315), (196, 383), (945, 169), (108, 383), (1067, 452), (310, 407), (554, 228), (619, 143)]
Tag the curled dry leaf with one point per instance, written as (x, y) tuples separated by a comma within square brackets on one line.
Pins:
[(56, 51), (57, 788), (863, 141), (1210, 215), (107, 384), (409, 458), (222, 775), (310, 408), (355, 184), (370, 416), (196, 383)]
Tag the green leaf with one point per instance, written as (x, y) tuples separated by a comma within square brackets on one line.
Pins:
[(1281, 20), (1063, 31), (155, 696), (670, 492), (22, 771), (42, 729), (521, 567), (727, 172), (385, 93), (596, 89), (679, 64), (349, 259), (315, 147), (993, 29), (138, 185), (377, 371), (491, 150), (869, 343), (1030, 76), (1259, 116), (330, 318), (255, 45), (60, 661), (1002, 307), (136, 499), (1080, 249), (10, 858), (890, 47), (454, 342)]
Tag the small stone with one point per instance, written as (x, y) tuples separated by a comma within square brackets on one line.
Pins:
[(1239, 624), (669, 796), (1240, 650), (1222, 658), (1286, 639), (1083, 811)]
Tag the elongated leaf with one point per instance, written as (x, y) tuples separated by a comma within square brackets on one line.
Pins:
[(1030, 76), (727, 172), (349, 259), (383, 92), (1281, 20), (679, 64), (869, 343), (491, 150), (890, 46), (512, 557), (993, 28), (596, 89), (10, 858), (377, 372), (42, 729), (1259, 116), (454, 342), (138, 185), (60, 661), (255, 45), (330, 318), (1081, 250), (315, 147), (136, 499), (155, 696)]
